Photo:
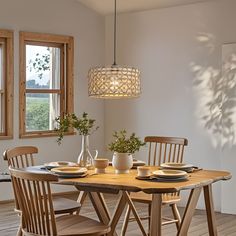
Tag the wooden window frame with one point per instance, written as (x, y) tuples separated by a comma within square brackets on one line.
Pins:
[(66, 90), (7, 36)]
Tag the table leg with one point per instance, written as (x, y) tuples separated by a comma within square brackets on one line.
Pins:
[(100, 206), (155, 222), (101, 209), (210, 210), (189, 211), (117, 213)]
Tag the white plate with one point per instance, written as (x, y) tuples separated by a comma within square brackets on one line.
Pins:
[(69, 171), (170, 173), (161, 179), (176, 166), (73, 176), (56, 164)]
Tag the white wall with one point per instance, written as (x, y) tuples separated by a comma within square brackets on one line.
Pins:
[(165, 45), (66, 18)]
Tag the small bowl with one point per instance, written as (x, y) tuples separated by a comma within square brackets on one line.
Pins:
[(100, 165), (143, 171)]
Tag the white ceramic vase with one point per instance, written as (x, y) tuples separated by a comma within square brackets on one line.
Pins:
[(122, 162)]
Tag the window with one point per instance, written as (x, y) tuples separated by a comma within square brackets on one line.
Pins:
[(46, 87), (6, 84)]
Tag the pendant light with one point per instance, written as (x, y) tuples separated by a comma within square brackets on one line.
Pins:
[(115, 81)]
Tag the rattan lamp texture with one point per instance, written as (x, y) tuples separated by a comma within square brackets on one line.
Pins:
[(115, 81)]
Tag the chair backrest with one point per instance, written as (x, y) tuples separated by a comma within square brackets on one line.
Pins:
[(20, 157), (165, 149), (35, 201)]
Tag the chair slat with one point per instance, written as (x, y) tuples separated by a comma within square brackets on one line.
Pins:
[(149, 153), (164, 159), (37, 208), (17, 162), (32, 207), (160, 153), (41, 215), (52, 218), (27, 160), (173, 157), (182, 154), (170, 149), (21, 161), (46, 212), (155, 154), (178, 156)]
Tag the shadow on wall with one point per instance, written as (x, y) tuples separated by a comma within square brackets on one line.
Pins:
[(216, 93)]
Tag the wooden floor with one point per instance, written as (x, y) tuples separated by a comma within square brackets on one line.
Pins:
[(226, 224)]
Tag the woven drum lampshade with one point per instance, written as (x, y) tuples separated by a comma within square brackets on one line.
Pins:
[(114, 82)]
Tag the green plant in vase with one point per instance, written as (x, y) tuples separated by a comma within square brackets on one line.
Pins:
[(85, 127), (123, 147)]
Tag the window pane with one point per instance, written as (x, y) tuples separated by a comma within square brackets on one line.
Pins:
[(41, 111), (42, 67)]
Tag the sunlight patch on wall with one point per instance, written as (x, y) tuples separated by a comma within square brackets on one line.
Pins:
[(216, 94)]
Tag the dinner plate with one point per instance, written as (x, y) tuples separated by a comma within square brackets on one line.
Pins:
[(69, 171), (171, 174), (176, 166), (65, 176), (160, 179), (56, 164)]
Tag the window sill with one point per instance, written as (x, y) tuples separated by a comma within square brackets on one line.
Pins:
[(43, 134), (6, 137)]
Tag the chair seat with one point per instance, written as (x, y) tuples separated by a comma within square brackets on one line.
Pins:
[(147, 198), (65, 205), (80, 225)]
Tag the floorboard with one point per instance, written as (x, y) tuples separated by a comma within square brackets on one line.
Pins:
[(226, 224)]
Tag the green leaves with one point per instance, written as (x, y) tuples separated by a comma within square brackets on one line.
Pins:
[(40, 64), (124, 144), (84, 125)]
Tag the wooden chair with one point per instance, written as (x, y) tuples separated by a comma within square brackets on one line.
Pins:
[(38, 217), (161, 150), (20, 157)]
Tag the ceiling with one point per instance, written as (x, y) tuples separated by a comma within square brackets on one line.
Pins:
[(106, 7)]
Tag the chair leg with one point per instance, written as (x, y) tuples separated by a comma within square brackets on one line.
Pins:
[(126, 221), (176, 214), (19, 231), (81, 199), (149, 216)]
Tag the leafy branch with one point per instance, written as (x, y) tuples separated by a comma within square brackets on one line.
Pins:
[(40, 63), (124, 143), (84, 125)]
